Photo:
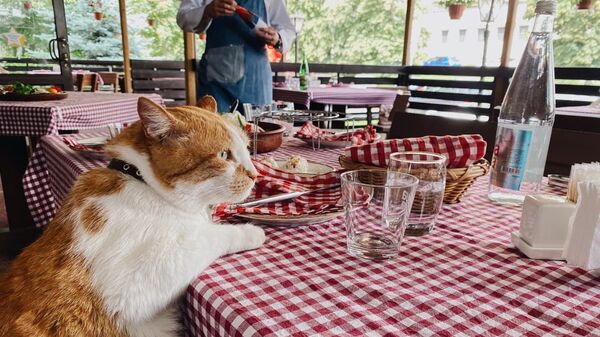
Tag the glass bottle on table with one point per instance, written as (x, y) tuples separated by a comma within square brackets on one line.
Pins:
[(526, 117), (304, 73)]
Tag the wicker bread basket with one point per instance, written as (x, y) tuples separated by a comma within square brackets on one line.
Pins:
[(458, 180)]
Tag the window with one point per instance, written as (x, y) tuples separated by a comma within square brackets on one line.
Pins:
[(523, 32), (480, 34), (444, 36), (500, 34), (462, 34)]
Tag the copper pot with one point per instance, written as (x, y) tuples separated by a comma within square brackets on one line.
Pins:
[(456, 11), (269, 140)]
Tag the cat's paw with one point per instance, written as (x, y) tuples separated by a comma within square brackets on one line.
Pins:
[(254, 236)]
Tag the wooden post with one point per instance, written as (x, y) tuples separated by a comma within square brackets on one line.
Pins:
[(189, 46), (509, 29), (501, 81), (125, 42), (408, 25)]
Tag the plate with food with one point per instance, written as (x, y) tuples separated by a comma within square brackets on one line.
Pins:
[(291, 220), (25, 92), (298, 165)]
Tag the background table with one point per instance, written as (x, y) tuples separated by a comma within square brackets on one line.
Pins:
[(465, 279), (342, 96), (18, 120)]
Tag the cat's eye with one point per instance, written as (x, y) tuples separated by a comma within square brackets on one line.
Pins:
[(224, 155)]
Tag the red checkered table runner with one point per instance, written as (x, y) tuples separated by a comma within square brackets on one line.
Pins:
[(79, 111)]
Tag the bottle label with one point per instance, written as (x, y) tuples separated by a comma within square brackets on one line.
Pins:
[(510, 157)]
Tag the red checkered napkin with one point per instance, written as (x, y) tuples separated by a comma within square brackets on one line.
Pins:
[(76, 146), (461, 151), (272, 181), (358, 137)]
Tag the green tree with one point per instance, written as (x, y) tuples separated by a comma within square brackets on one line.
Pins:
[(352, 31), (577, 34)]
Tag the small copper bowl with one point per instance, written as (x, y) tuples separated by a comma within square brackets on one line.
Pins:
[(269, 140)]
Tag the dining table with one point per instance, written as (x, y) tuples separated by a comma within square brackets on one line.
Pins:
[(463, 279), (22, 123), (343, 95)]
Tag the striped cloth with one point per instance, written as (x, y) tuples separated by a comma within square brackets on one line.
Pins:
[(461, 151)]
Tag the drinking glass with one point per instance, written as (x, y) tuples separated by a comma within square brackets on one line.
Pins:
[(376, 205), (430, 168)]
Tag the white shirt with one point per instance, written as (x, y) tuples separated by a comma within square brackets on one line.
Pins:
[(190, 15)]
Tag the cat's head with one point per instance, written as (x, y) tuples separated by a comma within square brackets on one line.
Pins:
[(191, 155)]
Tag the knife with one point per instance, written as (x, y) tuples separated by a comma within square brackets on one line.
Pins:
[(282, 196)]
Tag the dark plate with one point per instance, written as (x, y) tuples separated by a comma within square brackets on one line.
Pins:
[(33, 97)]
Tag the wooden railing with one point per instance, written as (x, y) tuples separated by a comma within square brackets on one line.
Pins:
[(166, 78), (472, 90)]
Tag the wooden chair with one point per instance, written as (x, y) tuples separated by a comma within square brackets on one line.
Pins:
[(83, 81), (110, 78)]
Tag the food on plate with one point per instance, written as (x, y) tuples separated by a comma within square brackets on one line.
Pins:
[(296, 164), (19, 88)]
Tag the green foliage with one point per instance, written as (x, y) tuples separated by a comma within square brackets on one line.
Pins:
[(352, 31), (577, 35), (164, 40), (448, 3)]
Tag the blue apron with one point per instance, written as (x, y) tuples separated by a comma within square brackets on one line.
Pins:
[(235, 63)]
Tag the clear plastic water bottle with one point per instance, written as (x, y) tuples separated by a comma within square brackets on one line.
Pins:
[(526, 117)]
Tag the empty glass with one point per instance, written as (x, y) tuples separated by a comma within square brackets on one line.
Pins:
[(430, 168), (376, 205)]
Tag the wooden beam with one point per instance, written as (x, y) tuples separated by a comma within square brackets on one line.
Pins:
[(408, 26), (509, 30), (189, 45), (125, 42)]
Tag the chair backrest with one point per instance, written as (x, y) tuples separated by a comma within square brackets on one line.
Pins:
[(83, 81), (110, 78)]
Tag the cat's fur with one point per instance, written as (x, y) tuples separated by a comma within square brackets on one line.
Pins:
[(120, 251)]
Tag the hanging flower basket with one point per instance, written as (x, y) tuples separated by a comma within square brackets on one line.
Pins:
[(98, 15), (456, 11), (27, 5), (151, 22), (585, 4)]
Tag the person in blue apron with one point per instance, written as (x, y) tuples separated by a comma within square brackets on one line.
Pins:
[(235, 64)]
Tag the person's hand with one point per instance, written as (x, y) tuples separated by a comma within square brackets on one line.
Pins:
[(269, 35), (221, 8)]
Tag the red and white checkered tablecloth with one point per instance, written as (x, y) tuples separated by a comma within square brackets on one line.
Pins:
[(344, 95), (79, 111), (465, 279)]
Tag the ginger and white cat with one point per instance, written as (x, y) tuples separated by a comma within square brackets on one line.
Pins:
[(122, 250)]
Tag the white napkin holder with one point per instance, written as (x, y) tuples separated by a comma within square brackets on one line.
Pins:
[(583, 244), (544, 227)]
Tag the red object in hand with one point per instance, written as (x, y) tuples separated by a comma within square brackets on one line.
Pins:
[(245, 14)]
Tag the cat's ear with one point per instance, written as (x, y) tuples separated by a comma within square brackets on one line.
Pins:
[(208, 103), (157, 121)]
